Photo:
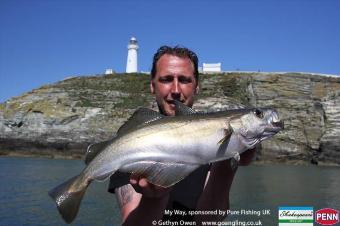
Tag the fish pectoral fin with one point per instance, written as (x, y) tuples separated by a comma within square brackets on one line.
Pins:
[(159, 173), (94, 149), (227, 134), (224, 142)]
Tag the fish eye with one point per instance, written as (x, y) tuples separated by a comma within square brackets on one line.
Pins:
[(258, 113)]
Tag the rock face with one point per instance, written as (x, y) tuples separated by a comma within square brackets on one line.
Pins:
[(64, 118)]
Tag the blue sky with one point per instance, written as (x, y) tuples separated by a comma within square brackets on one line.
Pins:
[(44, 41)]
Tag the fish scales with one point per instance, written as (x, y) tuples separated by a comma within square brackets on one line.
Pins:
[(167, 145)]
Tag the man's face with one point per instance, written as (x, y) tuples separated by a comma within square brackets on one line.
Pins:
[(174, 79)]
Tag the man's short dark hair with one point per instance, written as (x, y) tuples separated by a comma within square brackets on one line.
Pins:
[(178, 51)]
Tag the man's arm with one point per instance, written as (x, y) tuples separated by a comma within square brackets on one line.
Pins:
[(138, 209), (215, 195)]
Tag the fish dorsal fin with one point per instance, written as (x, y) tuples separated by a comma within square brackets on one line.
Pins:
[(181, 109), (94, 149), (139, 117)]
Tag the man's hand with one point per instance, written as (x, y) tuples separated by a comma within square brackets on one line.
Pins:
[(142, 186), (141, 200), (216, 192)]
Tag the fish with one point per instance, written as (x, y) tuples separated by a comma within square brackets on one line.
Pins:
[(166, 149)]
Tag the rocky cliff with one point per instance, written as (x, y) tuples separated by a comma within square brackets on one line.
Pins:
[(63, 118)]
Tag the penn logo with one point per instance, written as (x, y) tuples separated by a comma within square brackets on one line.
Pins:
[(327, 216)]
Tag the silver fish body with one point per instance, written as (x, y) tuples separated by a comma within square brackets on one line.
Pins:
[(172, 141), (167, 149)]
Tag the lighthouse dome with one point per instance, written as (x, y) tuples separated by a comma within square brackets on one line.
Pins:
[(133, 40)]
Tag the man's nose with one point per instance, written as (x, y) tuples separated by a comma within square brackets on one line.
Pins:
[(175, 87)]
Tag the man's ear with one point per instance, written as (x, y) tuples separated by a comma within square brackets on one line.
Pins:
[(152, 87)]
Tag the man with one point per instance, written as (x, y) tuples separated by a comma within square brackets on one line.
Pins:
[(174, 76)]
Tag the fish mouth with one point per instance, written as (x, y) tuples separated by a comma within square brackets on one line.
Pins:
[(279, 124), (276, 123), (275, 128)]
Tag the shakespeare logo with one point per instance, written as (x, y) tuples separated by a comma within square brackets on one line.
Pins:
[(295, 215)]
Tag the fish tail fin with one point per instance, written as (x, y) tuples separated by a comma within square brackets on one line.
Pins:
[(68, 196)]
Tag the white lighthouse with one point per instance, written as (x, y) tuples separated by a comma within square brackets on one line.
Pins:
[(131, 63)]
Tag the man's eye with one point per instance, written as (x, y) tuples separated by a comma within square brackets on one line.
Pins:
[(166, 79), (184, 80)]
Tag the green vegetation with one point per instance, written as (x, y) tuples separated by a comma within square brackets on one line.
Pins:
[(232, 85), (117, 92), (131, 102)]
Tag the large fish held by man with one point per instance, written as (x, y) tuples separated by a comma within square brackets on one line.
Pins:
[(166, 149)]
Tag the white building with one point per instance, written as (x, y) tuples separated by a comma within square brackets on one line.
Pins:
[(132, 63), (216, 67), (108, 71)]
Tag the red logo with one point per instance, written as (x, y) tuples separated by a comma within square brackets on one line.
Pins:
[(327, 216)]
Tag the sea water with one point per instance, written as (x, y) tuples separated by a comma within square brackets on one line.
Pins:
[(257, 192)]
